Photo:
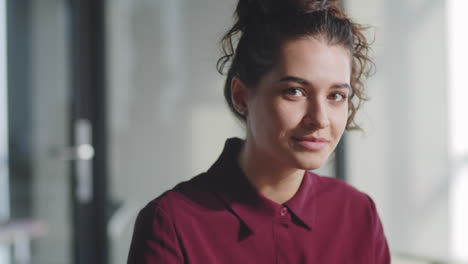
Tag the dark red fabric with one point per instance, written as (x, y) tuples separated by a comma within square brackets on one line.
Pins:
[(217, 217)]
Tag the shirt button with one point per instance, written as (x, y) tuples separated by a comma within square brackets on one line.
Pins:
[(283, 211)]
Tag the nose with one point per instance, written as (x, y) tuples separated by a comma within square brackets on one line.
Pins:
[(317, 115)]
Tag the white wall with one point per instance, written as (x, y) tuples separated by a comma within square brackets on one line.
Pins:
[(402, 159)]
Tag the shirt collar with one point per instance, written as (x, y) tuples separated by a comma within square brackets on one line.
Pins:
[(302, 204), (252, 208)]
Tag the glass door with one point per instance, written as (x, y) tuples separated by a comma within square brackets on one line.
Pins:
[(38, 127), (57, 177)]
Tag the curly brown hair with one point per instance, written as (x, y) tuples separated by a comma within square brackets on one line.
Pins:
[(261, 26)]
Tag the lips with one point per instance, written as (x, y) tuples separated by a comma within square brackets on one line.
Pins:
[(311, 143)]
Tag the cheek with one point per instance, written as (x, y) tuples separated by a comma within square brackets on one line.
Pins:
[(288, 115), (340, 118), (262, 118), (275, 117)]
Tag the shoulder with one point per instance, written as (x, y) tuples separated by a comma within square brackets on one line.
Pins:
[(155, 235), (358, 209), (341, 199), (190, 197)]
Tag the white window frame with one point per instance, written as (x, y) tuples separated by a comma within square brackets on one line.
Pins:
[(458, 130)]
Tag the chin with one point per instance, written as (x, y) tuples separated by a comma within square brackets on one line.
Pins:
[(304, 159), (312, 166), (311, 163)]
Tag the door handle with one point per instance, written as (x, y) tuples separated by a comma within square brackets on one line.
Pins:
[(80, 152), (84, 153)]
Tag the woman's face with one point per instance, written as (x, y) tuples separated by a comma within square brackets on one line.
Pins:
[(298, 112)]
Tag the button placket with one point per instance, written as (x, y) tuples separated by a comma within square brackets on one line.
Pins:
[(283, 236)]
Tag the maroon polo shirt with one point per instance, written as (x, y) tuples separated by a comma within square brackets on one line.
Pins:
[(218, 217)]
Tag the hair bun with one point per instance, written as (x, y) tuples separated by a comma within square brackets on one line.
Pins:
[(255, 8), (308, 6)]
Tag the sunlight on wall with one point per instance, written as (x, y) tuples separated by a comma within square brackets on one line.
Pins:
[(458, 56)]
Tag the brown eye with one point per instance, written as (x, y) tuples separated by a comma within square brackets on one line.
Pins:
[(337, 97), (295, 92)]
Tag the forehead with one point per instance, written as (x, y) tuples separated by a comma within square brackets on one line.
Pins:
[(313, 57)]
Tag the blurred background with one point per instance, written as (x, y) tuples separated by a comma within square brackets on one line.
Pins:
[(106, 104)]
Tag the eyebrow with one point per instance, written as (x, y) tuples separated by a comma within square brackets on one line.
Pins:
[(305, 82)]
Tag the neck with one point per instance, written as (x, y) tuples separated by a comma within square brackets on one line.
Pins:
[(271, 178)]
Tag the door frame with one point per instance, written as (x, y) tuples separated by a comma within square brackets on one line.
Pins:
[(88, 83)]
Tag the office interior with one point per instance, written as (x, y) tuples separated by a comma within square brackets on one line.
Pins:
[(106, 104)]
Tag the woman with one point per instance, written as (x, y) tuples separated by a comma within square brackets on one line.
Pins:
[(292, 75)]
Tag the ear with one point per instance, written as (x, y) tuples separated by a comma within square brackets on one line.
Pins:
[(239, 93)]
